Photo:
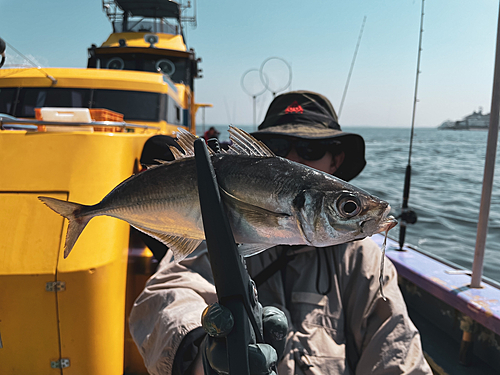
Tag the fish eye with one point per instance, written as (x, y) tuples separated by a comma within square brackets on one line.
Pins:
[(348, 205)]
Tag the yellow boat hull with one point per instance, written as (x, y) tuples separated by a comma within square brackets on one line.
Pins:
[(81, 325)]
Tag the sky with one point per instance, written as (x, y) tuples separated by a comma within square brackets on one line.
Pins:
[(312, 41)]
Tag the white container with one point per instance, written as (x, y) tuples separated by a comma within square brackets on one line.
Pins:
[(66, 114)]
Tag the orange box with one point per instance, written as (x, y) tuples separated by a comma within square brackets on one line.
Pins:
[(38, 114), (101, 114)]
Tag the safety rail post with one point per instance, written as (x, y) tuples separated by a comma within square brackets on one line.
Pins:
[(489, 169)]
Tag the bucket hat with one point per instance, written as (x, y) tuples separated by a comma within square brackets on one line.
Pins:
[(309, 115)]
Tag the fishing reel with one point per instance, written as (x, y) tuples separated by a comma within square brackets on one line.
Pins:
[(407, 216)]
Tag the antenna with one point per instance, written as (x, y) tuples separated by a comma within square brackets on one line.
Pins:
[(189, 19)]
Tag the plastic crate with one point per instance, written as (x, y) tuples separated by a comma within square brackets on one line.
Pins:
[(101, 114)]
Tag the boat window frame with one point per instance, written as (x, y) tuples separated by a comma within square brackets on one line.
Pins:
[(146, 62), (14, 98), (161, 105)]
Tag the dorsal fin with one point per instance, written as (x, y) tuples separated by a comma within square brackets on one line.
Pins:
[(176, 153), (244, 144), (152, 166), (186, 140)]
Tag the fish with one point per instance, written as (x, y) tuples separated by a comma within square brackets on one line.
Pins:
[(268, 200)]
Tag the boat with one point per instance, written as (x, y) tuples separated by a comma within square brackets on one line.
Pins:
[(74, 134), (475, 121)]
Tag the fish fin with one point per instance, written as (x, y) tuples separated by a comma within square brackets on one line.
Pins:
[(186, 140), (250, 249), (180, 246), (159, 161), (176, 153), (71, 212), (244, 144), (254, 214)]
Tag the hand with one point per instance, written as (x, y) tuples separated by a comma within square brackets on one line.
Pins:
[(218, 322)]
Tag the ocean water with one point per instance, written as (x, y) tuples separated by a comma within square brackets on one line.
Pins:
[(447, 173)]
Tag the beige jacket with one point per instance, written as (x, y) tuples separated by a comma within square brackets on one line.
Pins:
[(350, 330)]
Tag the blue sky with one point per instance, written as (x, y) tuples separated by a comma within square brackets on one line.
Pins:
[(317, 38)]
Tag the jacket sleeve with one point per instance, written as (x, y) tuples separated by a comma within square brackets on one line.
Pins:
[(380, 336), (170, 307)]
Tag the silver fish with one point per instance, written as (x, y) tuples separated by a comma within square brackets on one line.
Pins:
[(269, 201)]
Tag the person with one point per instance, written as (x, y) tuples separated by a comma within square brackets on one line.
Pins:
[(211, 133), (339, 322)]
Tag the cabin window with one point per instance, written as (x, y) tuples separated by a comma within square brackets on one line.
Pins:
[(175, 67), (7, 98), (31, 98), (135, 105)]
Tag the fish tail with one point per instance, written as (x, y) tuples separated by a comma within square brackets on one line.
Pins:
[(71, 212)]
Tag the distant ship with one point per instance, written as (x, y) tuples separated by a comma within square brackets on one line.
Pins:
[(475, 121)]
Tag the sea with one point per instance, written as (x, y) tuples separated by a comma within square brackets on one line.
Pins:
[(447, 174)]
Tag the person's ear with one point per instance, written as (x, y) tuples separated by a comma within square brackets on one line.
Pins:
[(337, 161)]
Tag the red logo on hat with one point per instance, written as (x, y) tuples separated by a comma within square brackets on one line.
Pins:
[(294, 108)]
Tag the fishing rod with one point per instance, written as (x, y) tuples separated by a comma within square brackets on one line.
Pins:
[(2, 53), (351, 68), (408, 216)]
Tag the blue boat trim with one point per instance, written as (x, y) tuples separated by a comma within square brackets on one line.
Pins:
[(430, 274)]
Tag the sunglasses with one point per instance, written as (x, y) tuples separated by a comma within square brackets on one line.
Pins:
[(307, 149)]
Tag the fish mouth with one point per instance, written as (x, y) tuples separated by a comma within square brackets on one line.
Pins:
[(387, 224)]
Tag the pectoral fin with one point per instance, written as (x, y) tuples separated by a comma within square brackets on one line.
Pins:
[(254, 215), (249, 249), (180, 246)]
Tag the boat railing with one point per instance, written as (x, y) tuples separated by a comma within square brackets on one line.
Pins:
[(8, 122), (457, 269)]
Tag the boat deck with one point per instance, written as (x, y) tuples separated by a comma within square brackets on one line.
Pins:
[(443, 306)]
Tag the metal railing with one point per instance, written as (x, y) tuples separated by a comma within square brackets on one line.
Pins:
[(8, 122)]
